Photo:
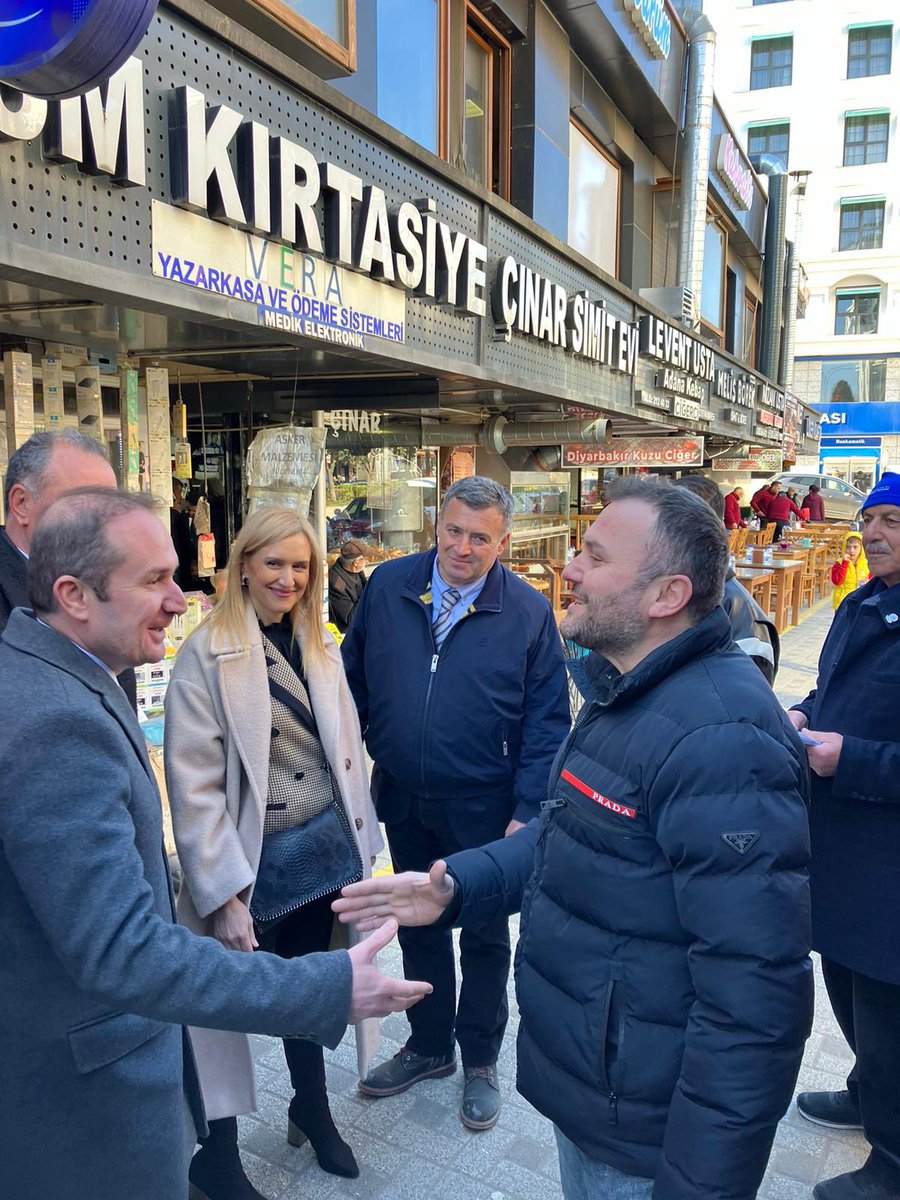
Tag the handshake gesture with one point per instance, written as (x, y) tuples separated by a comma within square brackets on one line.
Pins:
[(412, 898)]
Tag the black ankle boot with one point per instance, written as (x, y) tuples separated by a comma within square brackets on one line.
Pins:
[(216, 1171), (316, 1126)]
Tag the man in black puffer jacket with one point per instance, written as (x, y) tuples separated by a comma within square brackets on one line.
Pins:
[(662, 969)]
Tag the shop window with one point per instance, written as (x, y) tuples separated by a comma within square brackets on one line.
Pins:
[(849, 380), (328, 25), (712, 292), (486, 114), (411, 63), (856, 311), (772, 138), (594, 201), (862, 225), (385, 498), (869, 51), (865, 138), (771, 62)]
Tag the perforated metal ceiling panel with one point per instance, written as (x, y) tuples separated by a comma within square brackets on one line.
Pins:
[(59, 210)]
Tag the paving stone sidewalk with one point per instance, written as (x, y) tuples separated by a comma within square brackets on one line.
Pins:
[(413, 1147)]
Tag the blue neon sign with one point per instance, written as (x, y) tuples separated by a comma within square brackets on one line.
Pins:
[(59, 48)]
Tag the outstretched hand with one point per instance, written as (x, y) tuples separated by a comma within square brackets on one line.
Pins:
[(412, 898), (374, 994)]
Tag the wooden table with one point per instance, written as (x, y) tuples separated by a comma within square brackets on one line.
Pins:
[(758, 582), (788, 583)]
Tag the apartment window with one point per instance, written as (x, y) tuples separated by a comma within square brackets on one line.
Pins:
[(410, 63), (869, 51), (329, 25), (748, 353), (862, 225), (771, 62), (487, 106), (856, 311), (772, 138), (712, 290), (594, 189), (865, 138), (849, 380)]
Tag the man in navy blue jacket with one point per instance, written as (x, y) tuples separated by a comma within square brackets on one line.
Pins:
[(855, 827), (457, 670), (663, 969)]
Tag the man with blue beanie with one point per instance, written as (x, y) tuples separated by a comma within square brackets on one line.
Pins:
[(852, 719)]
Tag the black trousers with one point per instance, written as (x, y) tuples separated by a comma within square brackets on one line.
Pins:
[(868, 1013), (306, 931), (478, 1022)]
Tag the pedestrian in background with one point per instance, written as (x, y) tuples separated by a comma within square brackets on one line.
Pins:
[(457, 670), (762, 498), (733, 518), (851, 570), (814, 503), (263, 749), (779, 510), (346, 580), (851, 717)]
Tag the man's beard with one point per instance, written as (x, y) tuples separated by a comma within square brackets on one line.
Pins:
[(609, 627)]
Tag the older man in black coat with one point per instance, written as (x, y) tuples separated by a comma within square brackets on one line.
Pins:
[(855, 828)]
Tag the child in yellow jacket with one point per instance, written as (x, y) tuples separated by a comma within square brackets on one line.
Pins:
[(852, 571)]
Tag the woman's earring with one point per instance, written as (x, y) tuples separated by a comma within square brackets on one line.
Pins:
[(243, 581)]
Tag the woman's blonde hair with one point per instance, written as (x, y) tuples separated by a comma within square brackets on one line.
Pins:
[(263, 528)]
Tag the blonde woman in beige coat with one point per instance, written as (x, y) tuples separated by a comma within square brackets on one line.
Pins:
[(248, 676)]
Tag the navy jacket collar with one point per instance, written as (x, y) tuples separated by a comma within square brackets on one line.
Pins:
[(417, 584), (876, 595), (601, 683)]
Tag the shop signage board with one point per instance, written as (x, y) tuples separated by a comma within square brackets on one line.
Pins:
[(353, 420), (763, 460), (290, 290), (652, 22), (54, 48), (735, 387), (865, 417), (131, 447), (159, 437), (735, 172), (851, 443), (638, 452)]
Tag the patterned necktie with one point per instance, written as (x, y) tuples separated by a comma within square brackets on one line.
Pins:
[(441, 626)]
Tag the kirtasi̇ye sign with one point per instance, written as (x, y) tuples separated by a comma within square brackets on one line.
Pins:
[(652, 22), (638, 452), (56, 48)]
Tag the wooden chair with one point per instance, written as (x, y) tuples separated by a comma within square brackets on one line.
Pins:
[(821, 569), (807, 589), (768, 535), (741, 540), (733, 540)]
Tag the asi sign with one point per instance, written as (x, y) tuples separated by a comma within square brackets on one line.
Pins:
[(58, 48)]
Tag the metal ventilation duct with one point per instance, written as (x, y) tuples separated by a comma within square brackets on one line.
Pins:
[(496, 435), (773, 273), (697, 136)]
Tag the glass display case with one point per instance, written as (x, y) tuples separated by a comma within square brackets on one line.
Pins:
[(541, 519)]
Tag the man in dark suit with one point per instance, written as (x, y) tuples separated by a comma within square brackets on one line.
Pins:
[(44, 467), (96, 980)]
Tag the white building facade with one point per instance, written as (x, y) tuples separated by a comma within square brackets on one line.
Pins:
[(816, 83)]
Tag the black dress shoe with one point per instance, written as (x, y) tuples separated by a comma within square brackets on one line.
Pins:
[(481, 1100), (865, 1184), (405, 1069), (835, 1110), (318, 1128)]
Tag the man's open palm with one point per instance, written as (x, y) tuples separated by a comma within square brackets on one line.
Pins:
[(412, 898)]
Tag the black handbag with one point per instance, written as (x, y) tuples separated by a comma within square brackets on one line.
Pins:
[(304, 863)]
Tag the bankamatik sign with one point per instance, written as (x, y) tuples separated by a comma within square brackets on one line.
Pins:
[(638, 452)]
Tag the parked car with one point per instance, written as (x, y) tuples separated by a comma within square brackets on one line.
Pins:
[(842, 501)]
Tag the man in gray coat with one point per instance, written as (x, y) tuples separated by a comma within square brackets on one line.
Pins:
[(98, 1090)]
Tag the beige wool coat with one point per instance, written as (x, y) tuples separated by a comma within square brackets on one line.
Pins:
[(218, 730)]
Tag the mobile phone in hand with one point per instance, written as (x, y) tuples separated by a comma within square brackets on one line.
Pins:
[(806, 739)]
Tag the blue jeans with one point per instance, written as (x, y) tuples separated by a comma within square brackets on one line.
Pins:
[(583, 1178)]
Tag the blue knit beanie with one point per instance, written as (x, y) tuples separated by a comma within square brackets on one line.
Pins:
[(885, 491)]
